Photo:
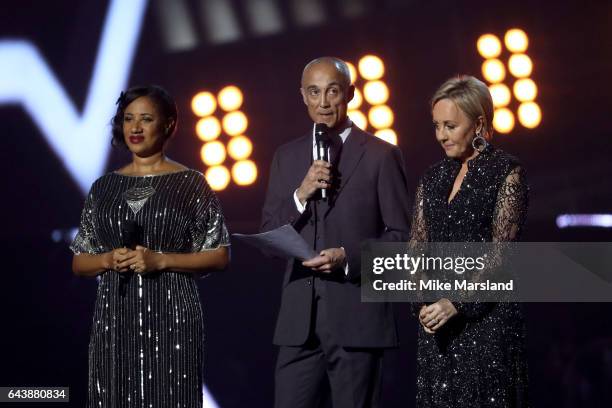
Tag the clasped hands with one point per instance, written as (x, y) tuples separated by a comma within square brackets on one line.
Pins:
[(433, 317), (140, 260)]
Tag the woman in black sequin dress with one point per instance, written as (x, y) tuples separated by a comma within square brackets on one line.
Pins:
[(147, 231), (470, 354)]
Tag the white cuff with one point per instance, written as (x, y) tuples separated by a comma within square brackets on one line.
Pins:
[(301, 208), (346, 269)]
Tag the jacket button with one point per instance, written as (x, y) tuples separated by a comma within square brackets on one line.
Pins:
[(309, 282)]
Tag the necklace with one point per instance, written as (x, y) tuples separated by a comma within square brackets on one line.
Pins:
[(137, 196)]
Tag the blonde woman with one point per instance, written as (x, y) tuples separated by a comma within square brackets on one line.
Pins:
[(470, 354)]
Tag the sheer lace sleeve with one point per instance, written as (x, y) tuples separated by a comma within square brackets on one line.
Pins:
[(507, 224), (418, 235), (418, 230), (511, 207)]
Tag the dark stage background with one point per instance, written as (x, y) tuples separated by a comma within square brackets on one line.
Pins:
[(46, 311)]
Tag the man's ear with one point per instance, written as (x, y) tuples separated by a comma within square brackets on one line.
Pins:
[(350, 93)]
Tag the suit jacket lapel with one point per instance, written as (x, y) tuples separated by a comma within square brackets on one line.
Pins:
[(352, 152), (302, 159)]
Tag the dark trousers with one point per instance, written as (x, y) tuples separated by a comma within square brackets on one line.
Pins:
[(354, 374)]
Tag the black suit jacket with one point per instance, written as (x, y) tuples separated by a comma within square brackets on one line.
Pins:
[(371, 202)]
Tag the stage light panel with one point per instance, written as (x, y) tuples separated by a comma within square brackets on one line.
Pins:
[(213, 153), (235, 123), (489, 46), (230, 98), (203, 104), (208, 128), (371, 67), (244, 172), (239, 147)]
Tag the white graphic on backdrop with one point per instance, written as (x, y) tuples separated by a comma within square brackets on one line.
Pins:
[(80, 140)]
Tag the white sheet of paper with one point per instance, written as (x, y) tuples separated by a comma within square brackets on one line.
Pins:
[(283, 242)]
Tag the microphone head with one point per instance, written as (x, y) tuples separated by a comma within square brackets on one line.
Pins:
[(321, 132), (130, 232)]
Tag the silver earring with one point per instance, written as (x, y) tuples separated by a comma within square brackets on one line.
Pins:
[(479, 143)]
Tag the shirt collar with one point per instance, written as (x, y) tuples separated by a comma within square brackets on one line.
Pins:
[(343, 135)]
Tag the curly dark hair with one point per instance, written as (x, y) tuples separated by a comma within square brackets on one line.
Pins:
[(162, 99)]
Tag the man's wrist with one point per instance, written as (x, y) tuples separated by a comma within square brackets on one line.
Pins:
[(300, 197), (344, 265), (299, 204)]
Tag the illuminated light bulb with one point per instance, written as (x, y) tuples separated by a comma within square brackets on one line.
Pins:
[(388, 135), (218, 177), (520, 65), (503, 120), (213, 153), (244, 172), (380, 116), (371, 67), (376, 92), (230, 98), (239, 147), (500, 94), (530, 115), (235, 123), (516, 40), (208, 128), (493, 70), (203, 104), (352, 71), (489, 46), (359, 119), (525, 90)]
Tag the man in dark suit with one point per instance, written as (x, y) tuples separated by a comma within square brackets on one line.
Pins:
[(323, 328)]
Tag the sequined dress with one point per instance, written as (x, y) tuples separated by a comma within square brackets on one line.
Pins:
[(146, 345), (477, 359)]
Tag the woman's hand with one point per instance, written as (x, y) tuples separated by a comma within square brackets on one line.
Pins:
[(434, 316), (141, 260), (115, 257)]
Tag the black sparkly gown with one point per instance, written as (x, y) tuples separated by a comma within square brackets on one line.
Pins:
[(477, 359), (146, 345)]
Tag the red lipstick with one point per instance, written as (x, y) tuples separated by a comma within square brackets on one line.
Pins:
[(136, 139)]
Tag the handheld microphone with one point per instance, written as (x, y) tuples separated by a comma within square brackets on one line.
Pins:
[(322, 142), (130, 238), (130, 234)]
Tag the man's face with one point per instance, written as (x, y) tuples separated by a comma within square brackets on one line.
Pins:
[(326, 94)]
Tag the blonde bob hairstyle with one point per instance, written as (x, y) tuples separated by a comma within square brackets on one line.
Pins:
[(472, 96)]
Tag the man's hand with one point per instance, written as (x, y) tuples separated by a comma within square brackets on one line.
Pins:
[(434, 316), (327, 261), (318, 176)]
